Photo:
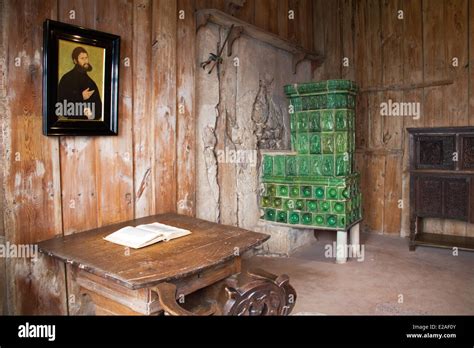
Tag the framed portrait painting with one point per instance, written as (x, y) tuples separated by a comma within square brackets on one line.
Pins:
[(80, 80)]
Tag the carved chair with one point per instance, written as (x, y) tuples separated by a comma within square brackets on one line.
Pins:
[(255, 293)]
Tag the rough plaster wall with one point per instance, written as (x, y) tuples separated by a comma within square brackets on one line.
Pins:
[(207, 97), (251, 99)]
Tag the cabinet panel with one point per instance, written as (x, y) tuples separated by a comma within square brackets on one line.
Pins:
[(467, 152), (435, 152), (456, 199), (429, 201)]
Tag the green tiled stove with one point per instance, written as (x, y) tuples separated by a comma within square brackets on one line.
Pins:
[(315, 185)]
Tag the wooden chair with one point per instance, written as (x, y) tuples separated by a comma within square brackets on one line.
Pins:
[(255, 293)]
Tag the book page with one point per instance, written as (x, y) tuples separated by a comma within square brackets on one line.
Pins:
[(132, 237), (168, 232)]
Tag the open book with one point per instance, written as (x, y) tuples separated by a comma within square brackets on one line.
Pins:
[(143, 235)]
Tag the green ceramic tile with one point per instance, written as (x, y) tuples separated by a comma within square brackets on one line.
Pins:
[(270, 190), (319, 220), (294, 191), (306, 191), (266, 201), (351, 120), (282, 216), (270, 214), (300, 204), (341, 221), (267, 165), (327, 120), (324, 206), (314, 121), (327, 143), (303, 166), (332, 220), (283, 190), (293, 141), (312, 205), (291, 169), (279, 165), (294, 218), (277, 202), (289, 204), (315, 143), (341, 120), (293, 123), (332, 193), (302, 124), (319, 192), (341, 142), (303, 143), (307, 218), (339, 207), (328, 165), (342, 164), (316, 166)]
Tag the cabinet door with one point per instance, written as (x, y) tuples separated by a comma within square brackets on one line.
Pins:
[(435, 152), (456, 194), (467, 152), (429, 196)]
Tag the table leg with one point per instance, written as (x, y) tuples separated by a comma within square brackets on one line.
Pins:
[(341, 247)]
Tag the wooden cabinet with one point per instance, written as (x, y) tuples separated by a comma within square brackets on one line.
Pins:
[(441, 182)]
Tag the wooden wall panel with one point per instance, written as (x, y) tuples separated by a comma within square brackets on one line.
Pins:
[(77, 154), (391, 57), (456, 97), (392, 53), (435, 61), (32, 177), (272, 15), (392, 194), (412, 74), (283, 20), (348, 31), (266, 15), (293, 29), (327, 39), (164, 102), (247, 12), (143, 120), (186, 116), (471, 65), (114, 156)]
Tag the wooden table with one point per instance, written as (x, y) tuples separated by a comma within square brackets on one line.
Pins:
[(122, 280)]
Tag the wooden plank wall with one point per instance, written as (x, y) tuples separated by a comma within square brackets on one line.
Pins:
[(387, 57), (62, 185)]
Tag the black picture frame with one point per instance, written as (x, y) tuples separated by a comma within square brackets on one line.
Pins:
[(65, 113)]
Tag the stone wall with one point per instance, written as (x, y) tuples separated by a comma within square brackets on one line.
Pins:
[(241, 108)]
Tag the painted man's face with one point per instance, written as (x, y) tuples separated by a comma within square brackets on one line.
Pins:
[(83, 61)]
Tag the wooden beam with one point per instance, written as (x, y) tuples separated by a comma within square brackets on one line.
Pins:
[(225, 20), (408, 86)]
